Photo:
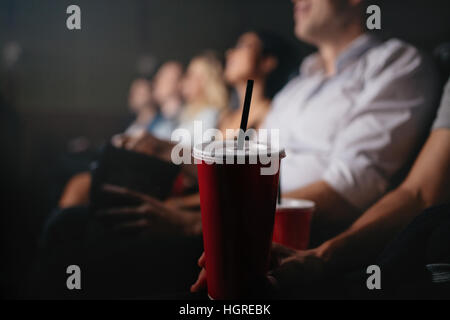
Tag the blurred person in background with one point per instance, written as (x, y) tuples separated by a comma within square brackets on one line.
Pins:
[(204, 92), (156, 104), (265, 58), (204, 95), (141, 103), (167, 94)]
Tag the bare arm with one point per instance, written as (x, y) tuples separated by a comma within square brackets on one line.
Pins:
[(333, 211), (427, 184)]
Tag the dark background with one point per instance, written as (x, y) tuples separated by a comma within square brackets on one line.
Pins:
[(74, 83)]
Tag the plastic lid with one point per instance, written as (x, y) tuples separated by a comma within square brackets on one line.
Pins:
[(219, 150), (296, 204)]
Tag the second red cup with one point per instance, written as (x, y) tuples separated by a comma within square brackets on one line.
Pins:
[(293, 222)]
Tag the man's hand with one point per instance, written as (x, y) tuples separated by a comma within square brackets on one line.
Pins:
[(152, 214), (292, 268), (288, 268)]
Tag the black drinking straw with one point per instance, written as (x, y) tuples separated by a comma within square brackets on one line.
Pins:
[(279, 189), (245, 113)]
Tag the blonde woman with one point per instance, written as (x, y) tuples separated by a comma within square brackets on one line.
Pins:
[(204, 91)]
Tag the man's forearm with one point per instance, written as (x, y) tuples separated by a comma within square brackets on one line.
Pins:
[(365, 239), (332, 211)]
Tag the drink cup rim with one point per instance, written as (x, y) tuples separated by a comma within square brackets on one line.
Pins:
[(287, 203), (216, 153)]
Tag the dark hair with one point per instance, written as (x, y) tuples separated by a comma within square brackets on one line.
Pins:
[(276, 46)]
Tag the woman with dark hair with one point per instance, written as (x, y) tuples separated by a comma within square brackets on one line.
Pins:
[(265, 58)]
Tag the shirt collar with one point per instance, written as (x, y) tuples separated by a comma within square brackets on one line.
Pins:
[(313, 63)]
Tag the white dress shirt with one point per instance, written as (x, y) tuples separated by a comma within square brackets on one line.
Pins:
[(356, 129), (442, 120)]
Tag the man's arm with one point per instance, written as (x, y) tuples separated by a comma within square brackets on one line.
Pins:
[(333, 212), (427, 184)]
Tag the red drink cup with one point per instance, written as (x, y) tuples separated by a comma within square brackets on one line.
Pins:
[(292, 223), (238, 208)]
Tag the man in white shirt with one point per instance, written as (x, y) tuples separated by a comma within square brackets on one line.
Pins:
[(354, 117)]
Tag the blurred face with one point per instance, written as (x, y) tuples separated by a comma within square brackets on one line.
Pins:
[(140, 95), (242, 61), (167, 81), (193, 82), (316, 20)]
